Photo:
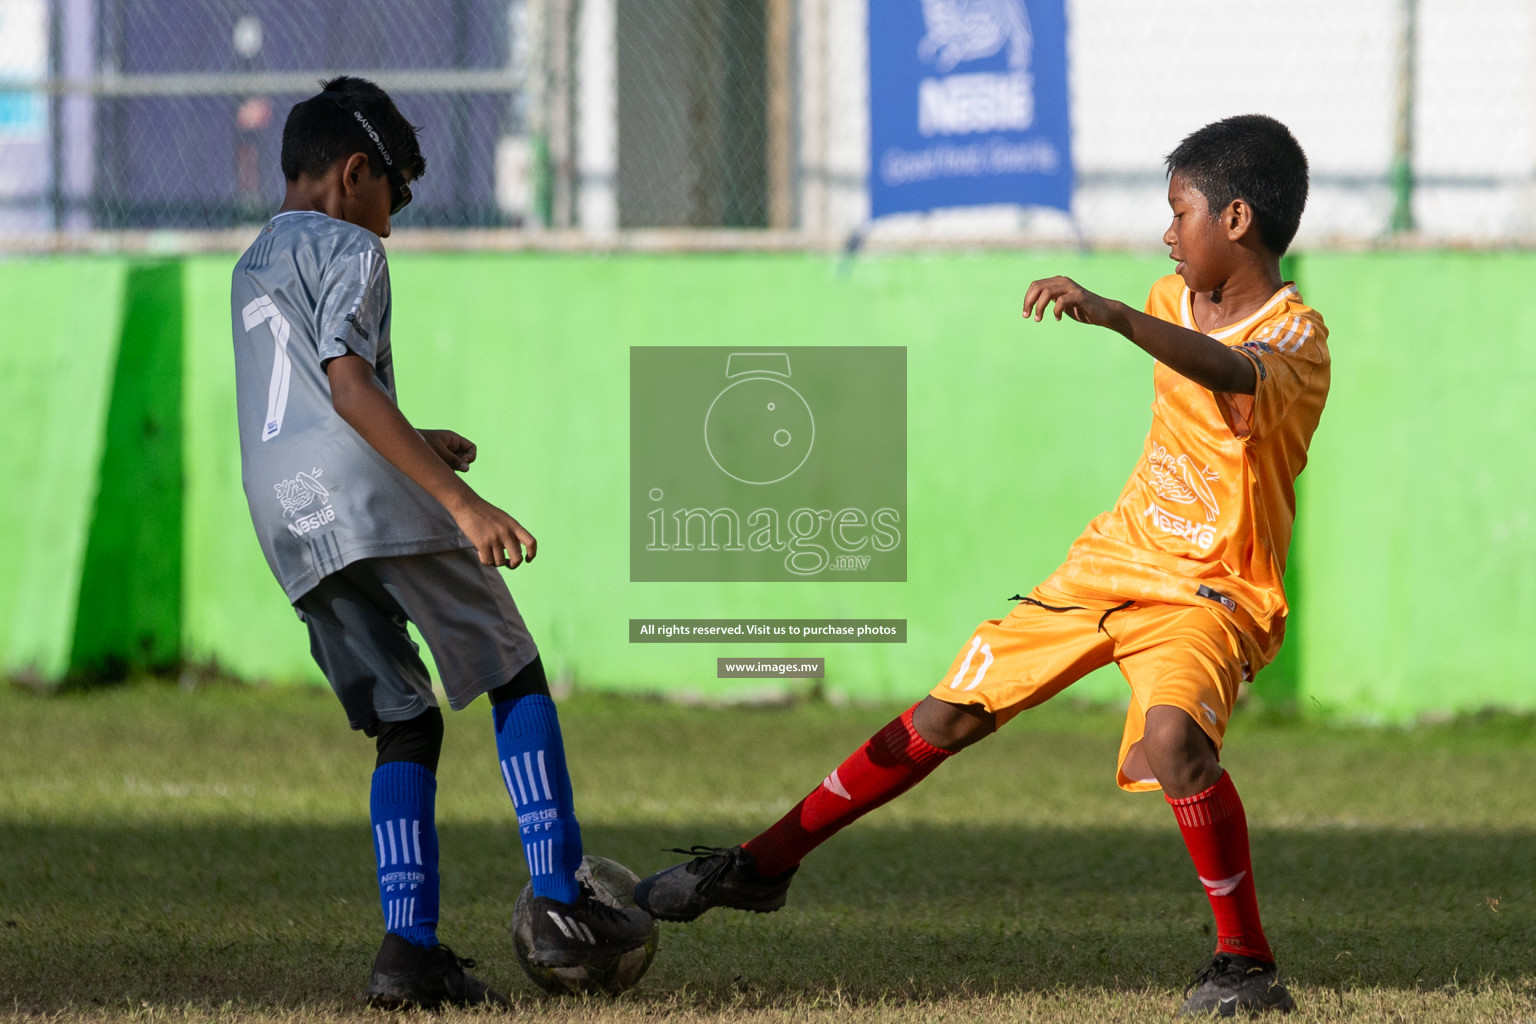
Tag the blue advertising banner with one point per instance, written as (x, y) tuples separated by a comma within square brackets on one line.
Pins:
[(968, 104)]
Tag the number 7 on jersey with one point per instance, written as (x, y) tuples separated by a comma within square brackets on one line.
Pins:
[(255, 312)]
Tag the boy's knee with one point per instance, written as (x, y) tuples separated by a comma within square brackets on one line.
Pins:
[(418, 740), (1180, 754), (529, 681), (952, 727)]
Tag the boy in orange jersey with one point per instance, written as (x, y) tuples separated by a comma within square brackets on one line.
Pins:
[(1179, 584)]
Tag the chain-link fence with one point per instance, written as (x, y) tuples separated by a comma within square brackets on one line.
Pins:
[(169, 113), (600, 116)]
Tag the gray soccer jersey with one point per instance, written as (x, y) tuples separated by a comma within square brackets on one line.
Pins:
[(309, 289)]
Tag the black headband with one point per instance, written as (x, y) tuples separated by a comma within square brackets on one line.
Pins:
[(402, 191)]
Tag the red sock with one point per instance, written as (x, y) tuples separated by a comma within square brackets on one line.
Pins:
[(891, 762), (1216, 833)]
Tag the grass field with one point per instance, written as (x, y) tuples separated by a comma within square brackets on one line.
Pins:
[(166, 855)]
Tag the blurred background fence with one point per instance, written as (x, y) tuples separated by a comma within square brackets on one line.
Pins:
[(603, 115)]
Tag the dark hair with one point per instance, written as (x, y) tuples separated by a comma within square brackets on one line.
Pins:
[(1250, 157), (319, 131)]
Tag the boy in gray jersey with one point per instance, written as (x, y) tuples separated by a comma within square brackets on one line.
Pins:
[(367, 527)]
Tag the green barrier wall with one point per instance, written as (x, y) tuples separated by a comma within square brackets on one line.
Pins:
[(63, 324), (129, 607), (1409, 553), (90, 379), (1417, 546)]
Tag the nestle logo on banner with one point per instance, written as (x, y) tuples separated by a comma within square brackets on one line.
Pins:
[(975, 103), (968, 105), (768, 465), (965, 30)]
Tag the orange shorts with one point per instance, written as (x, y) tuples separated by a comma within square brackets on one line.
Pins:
[(1183, 656)]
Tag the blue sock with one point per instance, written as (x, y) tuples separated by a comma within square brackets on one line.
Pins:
[(533, 764), (405, 839)]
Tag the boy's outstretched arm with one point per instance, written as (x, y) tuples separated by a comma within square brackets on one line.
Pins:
[(1197, 356), (357, 398)]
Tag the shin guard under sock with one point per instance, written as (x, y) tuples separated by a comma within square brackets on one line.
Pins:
[(405, 840), (1216, 832), (532, 756)]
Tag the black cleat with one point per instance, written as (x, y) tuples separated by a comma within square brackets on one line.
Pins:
[(1232, 983), (407, 975), (584, 932), (716, 877)]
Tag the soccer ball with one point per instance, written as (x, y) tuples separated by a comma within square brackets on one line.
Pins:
[(614, 884)]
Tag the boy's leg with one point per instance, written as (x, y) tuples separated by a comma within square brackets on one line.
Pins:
[(481, 645), (756, 875), (1185, 666), (1006, 666), (891, 762), (403, 809), (358, 638), (1242, 975), (1215, 828), (359, 641), (570, 925), (532, 755)]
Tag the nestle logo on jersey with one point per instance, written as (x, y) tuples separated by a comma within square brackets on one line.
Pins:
[(298, 494), (759, 464), (313, 521), (1201, 535)]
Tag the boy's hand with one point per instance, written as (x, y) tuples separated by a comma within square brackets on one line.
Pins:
[(499, 539), (454, 449), (1070, 298)]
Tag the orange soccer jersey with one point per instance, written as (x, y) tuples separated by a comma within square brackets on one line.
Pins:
[(1180, 584), (1206, 517)]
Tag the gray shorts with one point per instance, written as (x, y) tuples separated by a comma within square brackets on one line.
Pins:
[(357, 615)]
